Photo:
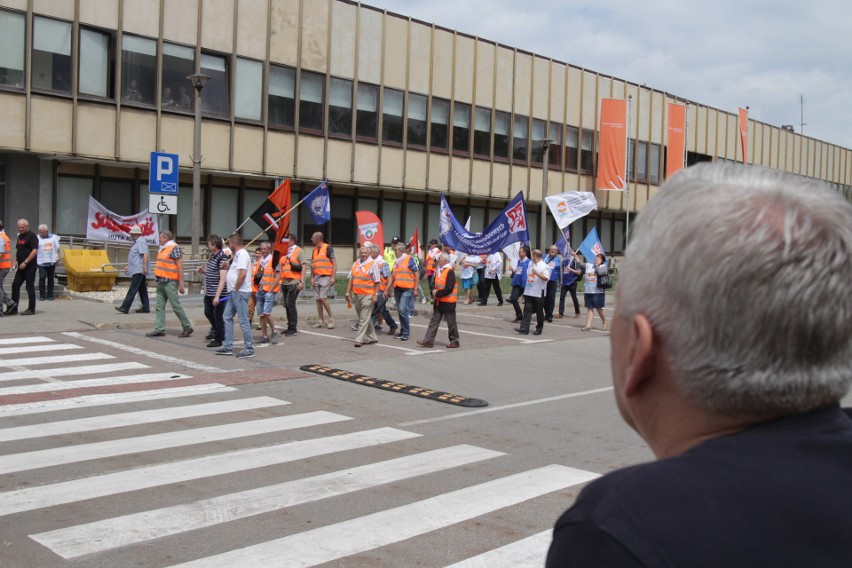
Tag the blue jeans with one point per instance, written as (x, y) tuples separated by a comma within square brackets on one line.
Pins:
[(237, 304), (405, 307)]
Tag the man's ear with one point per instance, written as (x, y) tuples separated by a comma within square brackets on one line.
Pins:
[(643, 355)]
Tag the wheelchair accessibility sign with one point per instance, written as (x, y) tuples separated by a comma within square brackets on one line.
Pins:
[(161, 204)]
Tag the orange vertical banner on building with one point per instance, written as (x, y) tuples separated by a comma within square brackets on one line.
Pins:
[(613, 145), (743, 131), (676, 138)]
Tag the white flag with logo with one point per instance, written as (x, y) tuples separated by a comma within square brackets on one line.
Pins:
[(569, 206)]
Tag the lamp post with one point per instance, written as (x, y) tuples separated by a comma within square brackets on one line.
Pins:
[(197, 81)]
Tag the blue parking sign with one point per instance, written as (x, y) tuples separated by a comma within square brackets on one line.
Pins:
[(163, 173)]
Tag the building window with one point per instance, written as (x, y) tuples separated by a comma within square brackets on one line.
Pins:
[(519, 139), (538, 135), (461, 128), (117, 196), (311, 94), (51, 55), (642, 162), (178, 64), (282, 96), (482, 132), (342, 220), (392, 113), (554, 156), (96, 63), (214, 96), (367, 115), (587, 152), (572, 146), (12, 33), (71, 192), (501, 135), (654, 164), (631, 159), (138, 69), (440, 124), (223, 209), (248, 88), (417, 120), (340, 108)]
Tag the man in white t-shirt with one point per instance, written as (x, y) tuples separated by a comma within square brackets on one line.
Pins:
[(535, 290), (48, 255), (238, 281)]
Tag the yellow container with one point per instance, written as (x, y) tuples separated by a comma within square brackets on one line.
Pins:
[(85, 272)]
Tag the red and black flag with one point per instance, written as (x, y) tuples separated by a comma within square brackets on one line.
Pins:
[(275, 205)]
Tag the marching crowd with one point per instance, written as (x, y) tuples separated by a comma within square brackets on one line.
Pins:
[(237, 285)]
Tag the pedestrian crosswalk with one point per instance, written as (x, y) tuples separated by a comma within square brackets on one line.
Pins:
[(209, 467)]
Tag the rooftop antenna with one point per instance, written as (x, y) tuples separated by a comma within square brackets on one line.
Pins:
[(802, 122)]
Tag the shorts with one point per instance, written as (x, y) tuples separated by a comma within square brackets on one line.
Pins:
[(594, 301), (322, 284), (467, 283), (265, 301)]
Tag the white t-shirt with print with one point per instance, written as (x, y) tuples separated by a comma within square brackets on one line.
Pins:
[(241, 261)]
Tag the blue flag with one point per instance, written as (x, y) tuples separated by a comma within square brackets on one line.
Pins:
[(591, 245), (563, 242), (509, 227), (319, 203)]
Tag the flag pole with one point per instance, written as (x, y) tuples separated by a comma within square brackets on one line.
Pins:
[(263, 232), (627, 176), (685, 133)]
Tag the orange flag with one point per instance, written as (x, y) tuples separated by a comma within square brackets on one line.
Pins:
[(613, 145), (675, 143), (370, 228), (743, 130)]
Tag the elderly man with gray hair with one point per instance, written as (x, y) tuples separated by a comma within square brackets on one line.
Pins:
[(731, 348)]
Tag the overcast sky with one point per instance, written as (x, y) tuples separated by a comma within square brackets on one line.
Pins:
[(722, 53)]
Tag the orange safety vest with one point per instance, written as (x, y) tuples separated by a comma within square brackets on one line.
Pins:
[(320, 262), (441, 281), (362, 282), (432, 260), (402, 276), (254, 268), (269, 278), (166, 266), (383, 280), (285, 265), (6, 257)]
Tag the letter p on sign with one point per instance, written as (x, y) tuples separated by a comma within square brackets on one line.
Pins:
[(165, 166)]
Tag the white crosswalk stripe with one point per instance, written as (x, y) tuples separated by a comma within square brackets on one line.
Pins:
[(386, 527), (135, 418), (37, 348), (89, 383), (24, 340), (186, 509), (53, 359), (70, 454), (530, 552), (90, 400), (219, 464), (71, 371)]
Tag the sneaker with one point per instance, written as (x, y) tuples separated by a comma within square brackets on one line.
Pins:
[(120, 309), (223, 351), (245, 354), (379, 327), (143, 311), (318, 325), (354, 327), (214, 343), (274, 338), (155, 334), (264, 340), (210, 336), (258, 326), (290, 333), (330, 324), (11, 309), (27, 313)]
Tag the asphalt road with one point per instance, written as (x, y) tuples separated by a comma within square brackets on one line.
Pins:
[(183, 457)]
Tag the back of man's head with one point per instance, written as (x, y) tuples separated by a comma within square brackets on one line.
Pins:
[(744, 275)]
